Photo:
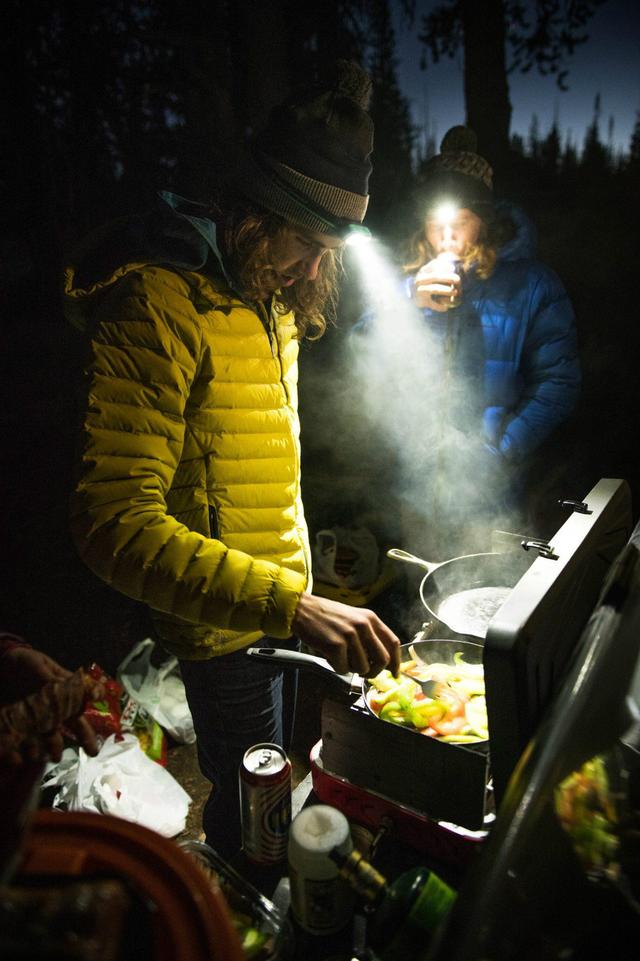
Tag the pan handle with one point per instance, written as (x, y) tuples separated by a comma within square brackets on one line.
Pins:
[(309, 662), (399, 555)]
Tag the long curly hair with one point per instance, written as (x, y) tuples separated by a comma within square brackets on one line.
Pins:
[(482, 256), (252, 239)]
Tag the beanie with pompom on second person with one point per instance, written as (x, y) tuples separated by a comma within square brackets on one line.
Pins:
[(459, 174)]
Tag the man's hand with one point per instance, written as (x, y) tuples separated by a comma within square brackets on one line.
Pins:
[(436, 283), (350, 638), (25, 672)]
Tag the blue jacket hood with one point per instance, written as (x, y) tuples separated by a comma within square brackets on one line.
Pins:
[(524, 245)]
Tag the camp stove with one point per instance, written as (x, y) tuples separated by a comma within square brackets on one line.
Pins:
[(441, 797)]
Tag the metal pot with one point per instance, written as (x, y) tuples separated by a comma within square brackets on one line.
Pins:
[(429, 651), (465, 592)]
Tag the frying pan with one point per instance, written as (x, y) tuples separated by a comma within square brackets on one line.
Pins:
[(465, 592), (429, 651)]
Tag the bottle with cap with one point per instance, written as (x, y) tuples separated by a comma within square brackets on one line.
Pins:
[(321, 901), (404, 914)]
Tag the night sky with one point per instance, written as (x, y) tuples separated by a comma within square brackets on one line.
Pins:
[(608, 64)]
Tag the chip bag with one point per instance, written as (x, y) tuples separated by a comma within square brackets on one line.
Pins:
[(137, 720), (105, 715)]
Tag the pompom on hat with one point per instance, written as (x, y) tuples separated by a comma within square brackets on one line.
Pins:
[(312, 162), (460, 174)]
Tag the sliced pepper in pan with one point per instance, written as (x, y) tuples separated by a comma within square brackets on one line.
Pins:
[(456, 714)]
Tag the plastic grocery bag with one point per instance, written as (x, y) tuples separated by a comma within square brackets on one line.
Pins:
[(346, 556), (121, 780), (159, 690)]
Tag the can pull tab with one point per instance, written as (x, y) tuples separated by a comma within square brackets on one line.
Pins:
[(543, 548), (265, 757)]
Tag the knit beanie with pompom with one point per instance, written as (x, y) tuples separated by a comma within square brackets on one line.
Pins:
[(311, 163), (459, 174)]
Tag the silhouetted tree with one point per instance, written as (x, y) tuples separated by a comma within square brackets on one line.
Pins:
[(92, 115), (320, 33), (630, 169), (478, 26), (517, 144), (550, 151), (596, 159), (634, 144), (106, 102), (484, 28), (394, 134), (569, 161), (533, 140)]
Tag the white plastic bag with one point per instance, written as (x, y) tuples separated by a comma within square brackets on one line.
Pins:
[(346, 556), (121, 780), (159, 690)]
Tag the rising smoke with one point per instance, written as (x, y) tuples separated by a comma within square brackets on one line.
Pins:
[(406, 414)]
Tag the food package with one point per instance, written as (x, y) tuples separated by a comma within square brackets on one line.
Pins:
[(137, 720), (104, 714)]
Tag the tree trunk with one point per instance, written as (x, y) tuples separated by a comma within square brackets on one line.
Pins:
[(485, 78), (31, 257), (259, 45)]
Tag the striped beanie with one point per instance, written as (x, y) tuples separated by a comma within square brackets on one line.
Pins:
[(311, 163), (459, 173)]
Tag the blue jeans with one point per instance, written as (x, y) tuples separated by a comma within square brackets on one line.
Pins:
[(236, 702)]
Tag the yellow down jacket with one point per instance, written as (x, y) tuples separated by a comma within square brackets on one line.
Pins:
[(188, 495)]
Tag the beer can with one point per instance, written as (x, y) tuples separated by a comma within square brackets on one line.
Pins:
[(265, 803)]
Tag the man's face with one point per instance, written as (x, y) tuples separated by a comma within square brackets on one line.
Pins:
[(299, 253), (455, 233)]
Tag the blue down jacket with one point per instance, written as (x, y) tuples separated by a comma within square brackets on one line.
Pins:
[(522, 321)]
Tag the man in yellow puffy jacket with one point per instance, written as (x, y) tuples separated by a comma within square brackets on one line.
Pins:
[(188, 492)]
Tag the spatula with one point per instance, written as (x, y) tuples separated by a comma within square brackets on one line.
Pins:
[(429, 688)]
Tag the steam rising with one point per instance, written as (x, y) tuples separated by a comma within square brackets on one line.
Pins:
[(409, 414)]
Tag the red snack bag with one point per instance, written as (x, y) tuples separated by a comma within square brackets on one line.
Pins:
[(105, 715)]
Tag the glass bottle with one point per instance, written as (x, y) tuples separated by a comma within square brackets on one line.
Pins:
[(402, 915)]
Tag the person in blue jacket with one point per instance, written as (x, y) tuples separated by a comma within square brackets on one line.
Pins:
[(503, 322)]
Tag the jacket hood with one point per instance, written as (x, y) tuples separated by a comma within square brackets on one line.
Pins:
[(176, 232), (523, 246)]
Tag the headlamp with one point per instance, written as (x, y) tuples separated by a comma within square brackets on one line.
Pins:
[(356, 234), (445, 213)]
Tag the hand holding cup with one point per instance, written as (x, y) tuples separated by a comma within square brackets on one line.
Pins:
[(438, 285)]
